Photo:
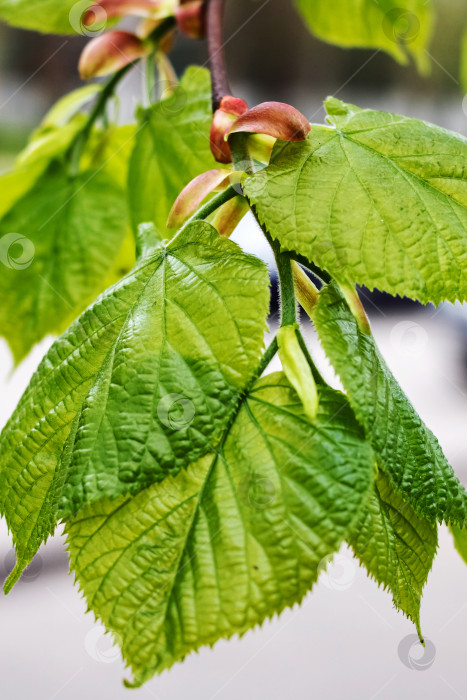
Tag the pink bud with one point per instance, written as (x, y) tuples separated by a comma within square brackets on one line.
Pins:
[(107, 9), (109, 52), (191, 197), (282, 121), (190, 18), (230, 108)]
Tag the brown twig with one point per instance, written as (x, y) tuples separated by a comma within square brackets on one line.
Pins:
[(219, 80)]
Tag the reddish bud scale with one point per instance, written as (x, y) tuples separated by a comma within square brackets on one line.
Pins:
[(190, 18), (224, 118), (282, 121), (275, 119), (109, 52), (193, 194)]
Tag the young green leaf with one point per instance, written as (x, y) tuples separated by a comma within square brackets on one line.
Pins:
[(46, 143), (58, 243), (463, 67), (151, 374), (460, 540), (47, 16), (399, 27), (396, 546), (379, 200), (235, 538), (172, 147), (407, 450)]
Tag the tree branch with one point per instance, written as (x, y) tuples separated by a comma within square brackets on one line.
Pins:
[(219, 80)]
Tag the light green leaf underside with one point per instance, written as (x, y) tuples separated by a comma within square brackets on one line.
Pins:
[(172, 147), (233, 539), (460, 540), (58, 243), (399, 27), (148, 338), (47, 16), (408, 451), (396, 546), (380, 200)]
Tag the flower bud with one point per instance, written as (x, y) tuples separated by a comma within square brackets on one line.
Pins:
[(109, 52), (190, 18), (193, 194), (229, 110), (282, 121)]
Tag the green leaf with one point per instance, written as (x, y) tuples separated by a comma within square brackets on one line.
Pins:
[(407, 450), (47, 16), (172, 147), (399, 27), (58, 243), (63, 110), (111, 150), (45, 144), (379, 200), (463, 68), (235, 538), (149, 373), (460, 540), (396, 546)]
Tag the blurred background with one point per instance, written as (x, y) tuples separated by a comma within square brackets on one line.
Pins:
[(346, 641)]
